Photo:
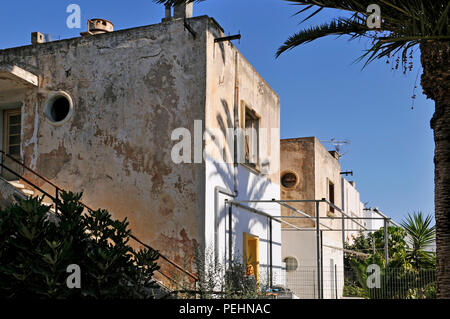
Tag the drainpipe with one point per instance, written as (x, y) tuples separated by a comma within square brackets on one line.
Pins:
[(236, 121)]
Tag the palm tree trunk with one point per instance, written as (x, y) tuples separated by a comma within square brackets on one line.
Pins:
[(435, 83)]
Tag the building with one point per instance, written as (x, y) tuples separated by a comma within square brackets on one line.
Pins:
[(354, 208), (105, 114), (310, 172), (374, 219)]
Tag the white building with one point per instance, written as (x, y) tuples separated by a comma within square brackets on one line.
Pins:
[(354, 208), (374, 220)]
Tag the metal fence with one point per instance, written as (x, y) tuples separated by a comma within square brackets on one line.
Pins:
[(339, 283)]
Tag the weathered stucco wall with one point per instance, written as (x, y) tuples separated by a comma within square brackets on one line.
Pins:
[(298, 156), (130, 89), (233, 83), (314, 167), (327, 168)]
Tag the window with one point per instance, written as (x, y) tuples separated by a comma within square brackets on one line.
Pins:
[(251, 138), (331, 195), (58, 108), (11, 128), (11, 132), (289, 180), (291, 264)]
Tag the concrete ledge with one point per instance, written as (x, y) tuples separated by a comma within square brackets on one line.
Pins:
[(14, 77)]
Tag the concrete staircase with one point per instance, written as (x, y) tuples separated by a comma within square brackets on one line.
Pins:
[(27, 191)]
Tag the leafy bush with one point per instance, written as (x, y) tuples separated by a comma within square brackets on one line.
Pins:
[(354, 291), (36, 249), (225, 281)]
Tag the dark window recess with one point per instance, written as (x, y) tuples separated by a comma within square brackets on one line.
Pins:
[(12, 133), (60, 109), (14, 120), (14, 150), (251, 138), (289, 180), (331, 195)]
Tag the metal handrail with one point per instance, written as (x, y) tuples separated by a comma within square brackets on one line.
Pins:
[(55, 200), (29, 169)]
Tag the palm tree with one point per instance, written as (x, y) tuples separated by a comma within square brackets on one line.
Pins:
[(420, 235), (404, 24)]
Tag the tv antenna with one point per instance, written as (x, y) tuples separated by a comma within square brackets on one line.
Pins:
[(338, 145)]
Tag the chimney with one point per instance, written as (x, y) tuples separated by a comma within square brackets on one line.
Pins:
[(37, 37), (185, 10), (168, 12), (98, 26)]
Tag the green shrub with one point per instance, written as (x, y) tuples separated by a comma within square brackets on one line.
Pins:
[(36, 249), (217, 280), (354, 291)]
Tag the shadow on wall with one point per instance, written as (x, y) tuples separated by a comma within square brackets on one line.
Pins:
[(248, 190)]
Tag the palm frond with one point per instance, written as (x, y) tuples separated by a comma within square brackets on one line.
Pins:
[(420, 236), (340, 26), (172, 3), (419, 228), (405, 23)]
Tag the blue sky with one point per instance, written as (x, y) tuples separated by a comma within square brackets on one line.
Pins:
[(322, 92)]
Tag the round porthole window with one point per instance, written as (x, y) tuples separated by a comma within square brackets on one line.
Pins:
[(58, 108), (289, 180), (291, 263)]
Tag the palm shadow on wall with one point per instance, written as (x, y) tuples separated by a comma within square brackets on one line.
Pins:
[(247, 190)]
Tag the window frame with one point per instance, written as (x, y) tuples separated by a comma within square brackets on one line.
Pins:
[(7, 114), (246, 111), (331, 211), (289, 172), (285, 260)]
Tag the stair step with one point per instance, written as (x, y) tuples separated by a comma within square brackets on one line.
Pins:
[(27, 192), (47, 204), (17, 184)]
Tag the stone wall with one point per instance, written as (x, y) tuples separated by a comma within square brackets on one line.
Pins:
[(130, 89)]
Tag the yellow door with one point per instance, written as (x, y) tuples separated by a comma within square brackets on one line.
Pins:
[(251, 254)]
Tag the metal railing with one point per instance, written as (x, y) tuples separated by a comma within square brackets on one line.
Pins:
[(393, 283), (56, 199), (340, 283)]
